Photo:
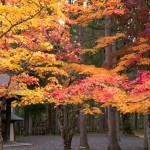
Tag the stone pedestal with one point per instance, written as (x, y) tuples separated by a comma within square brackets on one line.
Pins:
[(12, 133)]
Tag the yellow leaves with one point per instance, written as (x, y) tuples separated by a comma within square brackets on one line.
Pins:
[(143, 39), (85, 69), (48, 46), (45, 65), (52, 87), (95, 10), (55, 101), (2, 91), (131, 103), (27, 22), (53, 80), (135, 107), (6, 65), (140, 48), (53, 7), (16, 14), (87, 111), (40, 58), (86, 12), (21, 15), (135, 57), (73, 100), (91, 110), (12, 60), (96, 110), (144, 61), (105, 41), (118, 68), (129, 56), (31, 96), (92, 50), (43, 71)]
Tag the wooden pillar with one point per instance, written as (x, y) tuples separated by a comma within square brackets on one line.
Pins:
[(27, 122), (8, 120)]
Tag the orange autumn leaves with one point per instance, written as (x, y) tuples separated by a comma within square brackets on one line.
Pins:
[(38, 65), (86, 11)]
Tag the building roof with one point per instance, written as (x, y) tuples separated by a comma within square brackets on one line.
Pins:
[(4, 78), (13, 117)]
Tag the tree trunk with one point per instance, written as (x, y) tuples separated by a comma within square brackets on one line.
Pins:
[(67, 116), (127, 129), (83, 133), (56, 122), (53, 121), (49, 118), (112, 125), (106, 118), (113, 140), (135, 121), (147, 132), (101, 123), (26, 123), (67, 142), (118, 125), (1, 138), (108, 49), (30, 123)]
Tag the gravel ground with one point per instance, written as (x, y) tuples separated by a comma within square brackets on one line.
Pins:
[(96, 142)]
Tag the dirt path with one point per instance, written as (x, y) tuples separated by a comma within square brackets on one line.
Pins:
[(96, 142)]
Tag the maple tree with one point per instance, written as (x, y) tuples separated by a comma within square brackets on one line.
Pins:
[(135, 60), (31, 55), (126, 96), (23, 37), (27, 44), (139, 84), (27, 50), (35, 51), (42, 92)]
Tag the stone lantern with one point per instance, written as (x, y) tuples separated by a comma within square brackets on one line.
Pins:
[(8, 117), (13, 119)]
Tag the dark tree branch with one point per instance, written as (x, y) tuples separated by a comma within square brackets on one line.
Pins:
[(18, 23)]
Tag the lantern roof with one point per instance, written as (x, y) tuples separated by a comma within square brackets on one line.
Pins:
[(13, 117)]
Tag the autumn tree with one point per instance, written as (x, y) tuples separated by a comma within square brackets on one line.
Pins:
[(37, 54), (109, 41), (137, 63), (33, 46), (25, 49)]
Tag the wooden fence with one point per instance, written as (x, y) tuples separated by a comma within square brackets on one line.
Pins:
[(94, 125)]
